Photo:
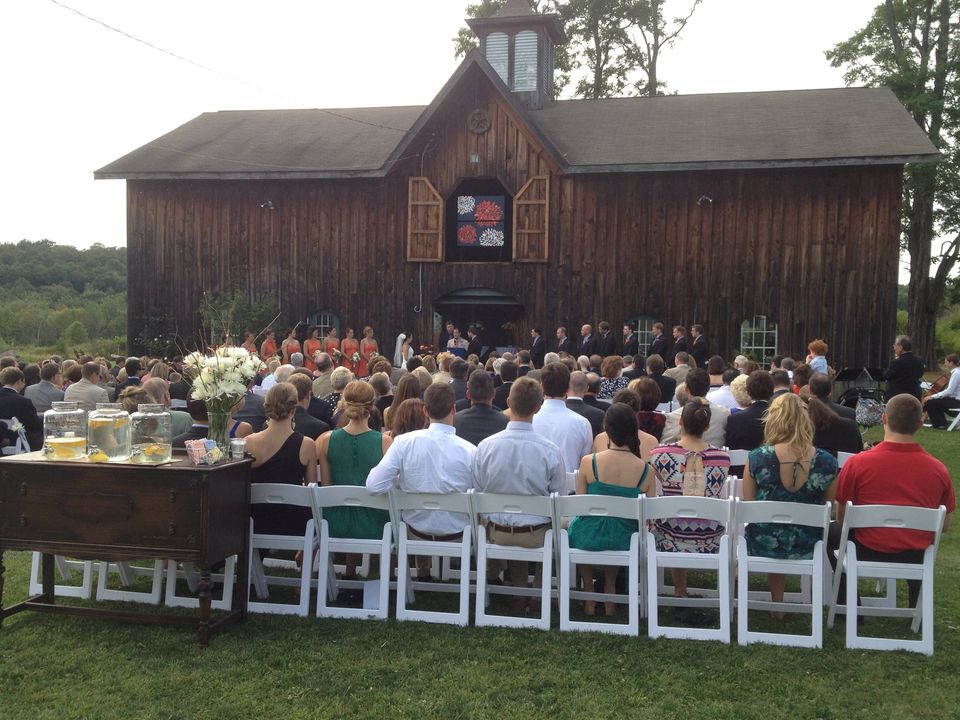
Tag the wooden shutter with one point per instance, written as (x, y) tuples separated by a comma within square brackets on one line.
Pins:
[(424, 222), (531, 220)]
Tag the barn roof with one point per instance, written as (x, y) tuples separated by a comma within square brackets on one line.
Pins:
[(842, 126)]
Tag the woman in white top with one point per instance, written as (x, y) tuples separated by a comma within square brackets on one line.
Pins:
[(937, 404)]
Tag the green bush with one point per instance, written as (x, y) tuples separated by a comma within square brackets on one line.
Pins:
[(948, 332)]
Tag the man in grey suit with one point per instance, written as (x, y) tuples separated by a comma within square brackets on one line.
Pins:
[(47, 390), (481, 419), (87, 393)]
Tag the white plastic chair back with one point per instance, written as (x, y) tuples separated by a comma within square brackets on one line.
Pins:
[(495, 503), (786, 513), (570, 485), (65, 568), (21, 445), (738, 457), (898, 517), (842, 458), (605, 506)]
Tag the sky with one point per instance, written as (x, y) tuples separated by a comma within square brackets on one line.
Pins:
[(79, 95)]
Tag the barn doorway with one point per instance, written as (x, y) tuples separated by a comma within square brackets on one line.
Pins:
[(496, 315)]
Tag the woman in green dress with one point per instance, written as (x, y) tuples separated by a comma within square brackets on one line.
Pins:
[(346, 456), (625, 474)]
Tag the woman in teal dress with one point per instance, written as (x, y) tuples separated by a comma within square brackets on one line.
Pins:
[(346, 456), (624, 474), (787, 468)]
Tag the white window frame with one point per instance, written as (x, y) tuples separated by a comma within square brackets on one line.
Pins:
[(643, 325), (325, 319), (760, 335)]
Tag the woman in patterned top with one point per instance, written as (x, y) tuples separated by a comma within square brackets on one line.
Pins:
[(678, 470), (787, 468)]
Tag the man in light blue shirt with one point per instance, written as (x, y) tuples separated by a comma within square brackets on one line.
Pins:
[(569, 431)]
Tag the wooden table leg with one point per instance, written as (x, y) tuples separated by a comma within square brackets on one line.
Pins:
[(205, 588), (47, 579)]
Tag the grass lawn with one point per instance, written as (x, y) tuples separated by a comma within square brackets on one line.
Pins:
[(279, 667)]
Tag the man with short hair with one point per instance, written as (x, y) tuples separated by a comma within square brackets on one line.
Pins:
[(905, 371), (523, 363), (781, 382), (937, 404), (321, 382), (434, 460), (457, 344), (897, 471), (508, 373), (46, 391), (458, 372), (15, 405), (698, 385), (481, 419), (821, 386), (568, 430), (87, 392), (699, 350), (445, 335), (564, 344), (519, 461), (296, 359), (631, 344), (681, 366), (744, 429), (200, 425), (158, 394), (679, 344), (588, 343), (551, 357), (303, 422), (667, 385), (606, 343), (475, 345), (723, 395), (538, 348), (594, 381), (578, 388), (133, 368), (658, 341), (636, 369)]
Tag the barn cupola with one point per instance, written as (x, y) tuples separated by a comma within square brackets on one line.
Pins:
[(519, 44)]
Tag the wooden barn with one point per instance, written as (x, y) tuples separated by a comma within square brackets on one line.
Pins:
[(770, 218)]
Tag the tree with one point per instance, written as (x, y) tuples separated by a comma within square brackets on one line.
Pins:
[(74, 338), (911, 47)]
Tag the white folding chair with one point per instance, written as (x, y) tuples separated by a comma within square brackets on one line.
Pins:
[(484, 504), (65, 568), (897, 517), (327, 583), (689, 507), (281, 494), (603, 506), (664, 407), (432, 502), (738, 457), (733, 487), (955, 422), (570, 485), (784, 513), (20, 445), (191, 575), (128, 574), (842, 458)]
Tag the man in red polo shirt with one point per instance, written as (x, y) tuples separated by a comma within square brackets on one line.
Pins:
[(898, 471)]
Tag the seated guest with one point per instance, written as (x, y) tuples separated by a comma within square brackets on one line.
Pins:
[(831, 432), (877, 477), (15, 405), (723, 395), (583, 362), (73, 374), (523, 363), (346, 456), (578, 389), (281, 455), (740, 363), (133, 368), (87, 392), (180, 385), (938, 403), (296, 359), (593, 388), (158, 393), (787, 468), (698, 384), (409, 388), (554, 421), (519, 461), (133, 396), (31, 376), (200, 426), (458, 373), (434, 460), (821, 386), (781, 381), (46, 391), (508, 373), (550, 357), (678, 373), (612, 381), (303, 422), (738, 388), (636, 369), (339, 379), (277, 373), (624, 473), (648, 419), (744, 429), (251, 410), (481, 419), (690, 467), (801, 376), (430, 363), (407, 417), (631, 399), (380, 382), (596, 363), (424, 377), (413, 363), (667, 385), (715, 368), (321, 382)]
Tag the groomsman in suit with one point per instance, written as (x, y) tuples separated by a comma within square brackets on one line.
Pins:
[(658, 341), (475, 347), (631, 344), (588, 343), (679, 342), (564, 344), (699, 351), (446, 335), (538, 349), (606, 343)]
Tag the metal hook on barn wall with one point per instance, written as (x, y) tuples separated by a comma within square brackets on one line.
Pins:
[(418, 308)]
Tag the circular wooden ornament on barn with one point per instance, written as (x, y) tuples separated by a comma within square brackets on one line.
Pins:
[(478, 121)]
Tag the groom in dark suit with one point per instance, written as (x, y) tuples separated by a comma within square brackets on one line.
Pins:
[(538, 349)]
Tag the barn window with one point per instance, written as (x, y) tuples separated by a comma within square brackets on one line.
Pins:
[(498, 55), (479, 222), (643, 325), (758, 338), (324, 319), (525, 61)]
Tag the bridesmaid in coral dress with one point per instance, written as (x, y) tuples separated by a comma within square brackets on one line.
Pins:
[(331, 345), (368, 346), (290, 345), (349, 346), (311, 346)]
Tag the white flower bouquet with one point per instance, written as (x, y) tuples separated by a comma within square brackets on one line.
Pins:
[(355, 357)]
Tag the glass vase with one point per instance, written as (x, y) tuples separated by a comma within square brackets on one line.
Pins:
[(219, 431)]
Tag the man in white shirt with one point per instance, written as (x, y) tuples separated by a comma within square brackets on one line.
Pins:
[(698, 383), (434, 460), (570, 431), (519, 461), (946, 399), (723, 395)]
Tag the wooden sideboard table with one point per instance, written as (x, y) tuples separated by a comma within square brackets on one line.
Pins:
[(125, 512)]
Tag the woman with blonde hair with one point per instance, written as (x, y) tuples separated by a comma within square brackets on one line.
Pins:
[(132, 396), (422, 374), (281, 455), (346, 456), (159, 370), (787, 468)]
